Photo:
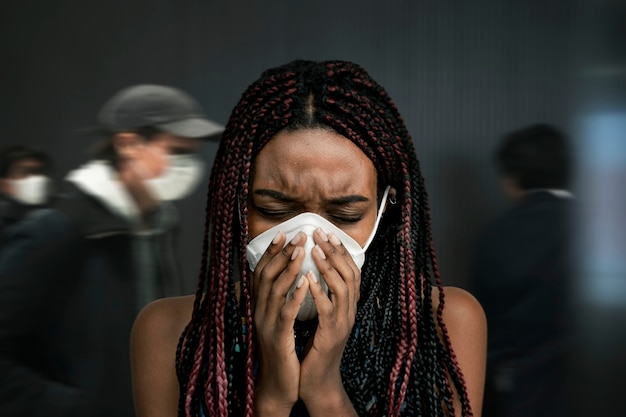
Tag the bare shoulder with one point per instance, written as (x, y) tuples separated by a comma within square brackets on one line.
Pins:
[(466, 327), (461, 309), (154, 339), (164, 316)]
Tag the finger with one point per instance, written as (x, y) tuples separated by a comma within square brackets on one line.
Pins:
[(338, 291), (347, 269), (337, 268), (273, 263), (293, 303), (277, 294), (324, 306), (275, 247)]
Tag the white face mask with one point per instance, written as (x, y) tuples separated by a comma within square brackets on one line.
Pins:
[(307, 223), (32, 190), (182, 175)]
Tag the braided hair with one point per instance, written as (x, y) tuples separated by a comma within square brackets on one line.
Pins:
[(398, 359)]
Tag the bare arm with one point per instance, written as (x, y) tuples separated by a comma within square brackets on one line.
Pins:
[(467, 327), (154, 337)]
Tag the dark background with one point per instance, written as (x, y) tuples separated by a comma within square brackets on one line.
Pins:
[(461, 72)]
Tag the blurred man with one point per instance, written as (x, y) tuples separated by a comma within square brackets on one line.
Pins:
[(24, 183), (73, 277), (521, 274)]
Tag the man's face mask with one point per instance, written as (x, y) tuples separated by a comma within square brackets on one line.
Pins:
[(307, 223), (32, 190), (182, 175)]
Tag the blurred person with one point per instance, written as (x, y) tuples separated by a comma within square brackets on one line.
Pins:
[(319, 291), (25, 183), (521, 276), (73, 277)]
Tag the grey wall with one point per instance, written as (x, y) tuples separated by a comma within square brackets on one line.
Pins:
[(461, 72)]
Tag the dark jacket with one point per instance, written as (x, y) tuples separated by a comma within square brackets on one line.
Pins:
[(522, 277), (68, 298), (11, 213)]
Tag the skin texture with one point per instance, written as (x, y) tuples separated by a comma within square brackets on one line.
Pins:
[(322, 172)]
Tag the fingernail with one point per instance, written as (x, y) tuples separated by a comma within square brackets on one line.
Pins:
[(322, 234), (312, 276), (334, 239), (320, 251), (296, 239), (295, 253), (277, 237), (300, 281)]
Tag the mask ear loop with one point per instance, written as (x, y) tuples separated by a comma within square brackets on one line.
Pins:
[(381, 210)]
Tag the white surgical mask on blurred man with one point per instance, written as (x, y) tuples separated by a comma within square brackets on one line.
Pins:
[(182, 175), (32, 190)]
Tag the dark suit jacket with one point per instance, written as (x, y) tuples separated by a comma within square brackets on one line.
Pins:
[(522, 275), (11, 213)]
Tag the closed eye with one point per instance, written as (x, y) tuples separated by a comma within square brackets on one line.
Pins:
[(344, 220), (274, 214), (276, 206)]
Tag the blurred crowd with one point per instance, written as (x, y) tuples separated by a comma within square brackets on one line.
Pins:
[(78, 260), (77, 265)]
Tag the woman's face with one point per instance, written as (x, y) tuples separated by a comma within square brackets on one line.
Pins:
[(317, 171)]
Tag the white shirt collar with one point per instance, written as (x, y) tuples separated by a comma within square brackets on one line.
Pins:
[(557, 192)]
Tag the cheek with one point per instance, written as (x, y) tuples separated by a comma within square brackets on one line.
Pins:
[(160, 169), (157, 164), (5, 187), (256, 225), (361, 232)]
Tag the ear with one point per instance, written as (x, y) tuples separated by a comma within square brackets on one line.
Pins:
[(127, 144), (391, 197)]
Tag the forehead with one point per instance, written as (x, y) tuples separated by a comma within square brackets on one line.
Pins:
[(24, 165), (313, 158)]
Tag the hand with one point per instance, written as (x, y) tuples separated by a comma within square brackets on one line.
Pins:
[(274, 317), (321, 387)]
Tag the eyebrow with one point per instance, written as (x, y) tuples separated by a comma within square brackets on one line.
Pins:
[(355, 198), (273, 194)]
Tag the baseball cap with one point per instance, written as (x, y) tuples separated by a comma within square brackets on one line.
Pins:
[(163, 107)]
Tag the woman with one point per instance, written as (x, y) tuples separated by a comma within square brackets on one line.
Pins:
[(321, 138)]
